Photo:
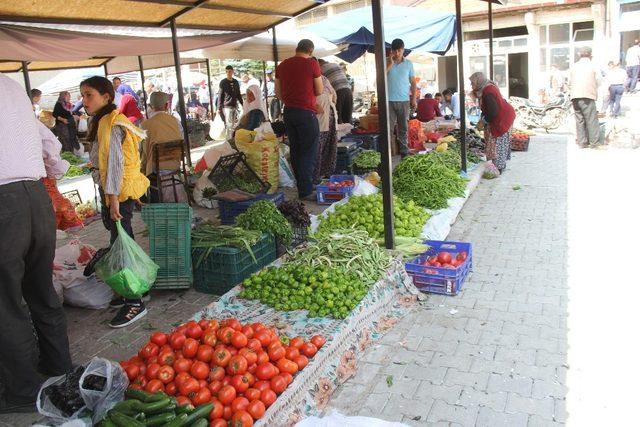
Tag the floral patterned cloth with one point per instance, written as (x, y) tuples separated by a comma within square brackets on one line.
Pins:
[(498, 149), (388, 300)]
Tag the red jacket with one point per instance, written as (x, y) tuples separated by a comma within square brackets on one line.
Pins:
[(505, 114), (428, 109)]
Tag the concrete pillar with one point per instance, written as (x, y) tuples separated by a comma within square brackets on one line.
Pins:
[(601, 53), (533, 46)]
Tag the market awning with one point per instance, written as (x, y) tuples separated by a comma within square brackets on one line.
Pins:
[(420, 29), (235, 15), (260, 47), (28, 43)]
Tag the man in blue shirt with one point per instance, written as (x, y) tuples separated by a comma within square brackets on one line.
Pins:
[(402, 92)]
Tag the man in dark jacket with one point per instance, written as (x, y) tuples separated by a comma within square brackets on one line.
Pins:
[(229, 97)]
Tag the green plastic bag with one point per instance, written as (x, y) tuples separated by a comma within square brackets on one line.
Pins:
[(126, 268)]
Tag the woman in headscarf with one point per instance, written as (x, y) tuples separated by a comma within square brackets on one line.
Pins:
[(497, 119), (254, 110), (65, 123), (129, 108), (328, 146)]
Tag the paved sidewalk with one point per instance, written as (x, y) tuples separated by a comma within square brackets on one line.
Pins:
[(496, 354)]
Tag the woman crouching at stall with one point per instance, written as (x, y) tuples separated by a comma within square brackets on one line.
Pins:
[(114, 153), (497, 119)]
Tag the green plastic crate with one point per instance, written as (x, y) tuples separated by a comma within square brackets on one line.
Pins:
[(225, 267), (169, 227)]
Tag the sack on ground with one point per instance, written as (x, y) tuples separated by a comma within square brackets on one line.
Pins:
[(262, 155), (102, 386), (285, 174), (127, 268), (88, 292)]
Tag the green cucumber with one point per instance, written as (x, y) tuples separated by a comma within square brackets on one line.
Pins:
[(201, 411), (155, 407), (160, 419), (129, 407), (144, 396), (202, 422), (185, 409), (107, 423), (178, 421), (122, 420), (141, 417)]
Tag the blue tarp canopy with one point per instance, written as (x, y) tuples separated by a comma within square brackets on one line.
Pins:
[(421, 29)]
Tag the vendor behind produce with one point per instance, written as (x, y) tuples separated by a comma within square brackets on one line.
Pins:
[(114, 150), (27, 249), (428, 109)]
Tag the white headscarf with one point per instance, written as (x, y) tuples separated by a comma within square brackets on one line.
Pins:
[(256, 104)]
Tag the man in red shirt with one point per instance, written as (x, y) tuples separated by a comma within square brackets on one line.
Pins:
[(428, 109), (298, 82)]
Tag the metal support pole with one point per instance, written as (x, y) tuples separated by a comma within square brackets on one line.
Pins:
[(275, 47), (144, 91), (384, 143), (210, 89), (461, 94), (264, 86), (490, 13), (181, 106), (106, 73), (27, 81)]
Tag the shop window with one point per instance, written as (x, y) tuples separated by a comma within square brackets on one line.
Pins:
[(543, 34), (543, 59), (559, 33), (504, 43), (520, 42), (478, 63), (500, 71), (560, 57)]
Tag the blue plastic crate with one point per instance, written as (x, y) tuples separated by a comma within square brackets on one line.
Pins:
[(438, 280), (344, 160), (368, 141), (326, 196), (230, 210)]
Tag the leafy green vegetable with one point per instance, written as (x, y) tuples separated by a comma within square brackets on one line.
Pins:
[(367, 159), (264, 216), (74, 171), (428, 180), (71, 158)]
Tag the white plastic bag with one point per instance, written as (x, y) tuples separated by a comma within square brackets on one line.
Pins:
[(216, 128), (363, 188), (87, 292), (48, 409), (285, 173), (336, 419), (116, 382), (82, 125)]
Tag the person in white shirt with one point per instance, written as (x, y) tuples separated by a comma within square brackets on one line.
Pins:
[(27, 249), (584, 82), (615, 81), (632, 60)]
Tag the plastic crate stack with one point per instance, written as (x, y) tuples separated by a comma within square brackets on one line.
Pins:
[(368, 141), (169, 226), (225, 267), (230, 210), (438, 280), (347, 150)]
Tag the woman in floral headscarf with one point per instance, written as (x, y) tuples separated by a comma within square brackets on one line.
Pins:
[(497, 119)]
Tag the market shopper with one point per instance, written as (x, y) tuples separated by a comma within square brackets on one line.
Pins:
[(327, 122), (632, 59), (160, 127), (36, 96), (615, 81), (27, 249), (584, 81), (338, 79), (298, 82), (66, 129), (255, 110), (428, 109), (229, 100), (497, 119), (402, 92), (122, 89), (114, 152), (129, 108), (450, 104)]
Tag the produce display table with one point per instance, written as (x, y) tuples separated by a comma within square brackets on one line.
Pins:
[(387, 301)]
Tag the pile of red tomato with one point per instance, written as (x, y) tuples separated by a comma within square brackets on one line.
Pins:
[(446, 260), (334, 186), (240, 368)]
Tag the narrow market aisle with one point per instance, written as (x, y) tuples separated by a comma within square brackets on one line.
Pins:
[(496, 354)]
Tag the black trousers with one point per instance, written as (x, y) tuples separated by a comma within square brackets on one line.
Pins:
[(126, 210), (587, 125), (27, 249), (303, 132), (344, 105)]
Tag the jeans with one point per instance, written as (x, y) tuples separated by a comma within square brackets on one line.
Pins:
[(303, 132), (632, 73), (230, 121), (27, 248), (615, 94), (344, 105), (399, 114), (587, 126)]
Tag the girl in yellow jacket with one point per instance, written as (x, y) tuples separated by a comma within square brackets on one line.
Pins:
[(115, 154)]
